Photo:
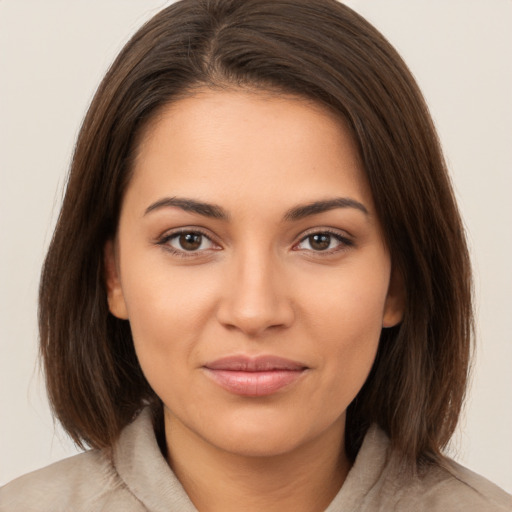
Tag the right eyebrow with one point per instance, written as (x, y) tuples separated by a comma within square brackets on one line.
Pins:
[(189, 205)]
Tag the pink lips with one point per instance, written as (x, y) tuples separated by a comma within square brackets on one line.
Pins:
[(260, 376)]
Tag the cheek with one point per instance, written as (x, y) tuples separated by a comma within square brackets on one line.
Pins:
[(345, 317), (349, 301), (167, 309)]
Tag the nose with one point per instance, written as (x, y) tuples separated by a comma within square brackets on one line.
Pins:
[(255, 298)]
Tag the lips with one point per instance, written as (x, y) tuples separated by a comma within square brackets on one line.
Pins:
[(259, 376)]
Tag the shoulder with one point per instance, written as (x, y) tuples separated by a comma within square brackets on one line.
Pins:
[(463, 489), (84, 482), (379, 480), (452, 488)]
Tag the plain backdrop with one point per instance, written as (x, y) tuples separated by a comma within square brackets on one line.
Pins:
[(53, 55)]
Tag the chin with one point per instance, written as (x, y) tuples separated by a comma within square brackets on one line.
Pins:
[(248, 443), (262, 435)]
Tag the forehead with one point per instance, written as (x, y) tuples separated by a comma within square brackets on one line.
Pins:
[(248, 146)]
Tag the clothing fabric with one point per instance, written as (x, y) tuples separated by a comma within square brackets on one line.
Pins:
[(135, 477)]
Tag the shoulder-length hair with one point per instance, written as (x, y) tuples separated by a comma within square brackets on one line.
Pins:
[(320, 50)]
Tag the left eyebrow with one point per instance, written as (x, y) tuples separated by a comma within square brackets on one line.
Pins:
[(300, 212)]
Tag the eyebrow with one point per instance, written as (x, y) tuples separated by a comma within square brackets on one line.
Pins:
[(300, 212), (190, 205), (217, 212)]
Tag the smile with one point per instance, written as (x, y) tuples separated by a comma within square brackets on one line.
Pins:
[(259, 376)]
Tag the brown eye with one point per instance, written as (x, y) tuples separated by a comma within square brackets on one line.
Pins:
[(319, 241), (190, 241), (324, 241)]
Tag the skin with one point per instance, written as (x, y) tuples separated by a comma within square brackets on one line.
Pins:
[(256, 285)]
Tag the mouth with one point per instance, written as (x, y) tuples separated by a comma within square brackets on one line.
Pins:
[(254, 376)]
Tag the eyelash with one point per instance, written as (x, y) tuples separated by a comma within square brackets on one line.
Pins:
[(344, 242), (166, 238)]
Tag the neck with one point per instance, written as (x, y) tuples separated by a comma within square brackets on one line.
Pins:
[(303, 480)]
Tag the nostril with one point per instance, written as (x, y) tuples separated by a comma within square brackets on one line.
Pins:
[(254, 322)]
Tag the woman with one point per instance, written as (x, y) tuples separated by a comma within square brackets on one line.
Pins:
[(258, 292)]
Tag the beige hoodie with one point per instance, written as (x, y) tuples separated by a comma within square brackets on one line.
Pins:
[(135, 477)]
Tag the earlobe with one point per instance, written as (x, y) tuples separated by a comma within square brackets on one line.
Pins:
[(115, 296), (395, 301)]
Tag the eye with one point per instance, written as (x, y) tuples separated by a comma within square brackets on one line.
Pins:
[(188, 241), (324, 241)]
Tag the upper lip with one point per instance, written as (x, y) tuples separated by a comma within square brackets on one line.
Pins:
[(262, 363)]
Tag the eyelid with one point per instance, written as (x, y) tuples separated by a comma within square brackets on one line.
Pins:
[(165, 237), (345, 239)]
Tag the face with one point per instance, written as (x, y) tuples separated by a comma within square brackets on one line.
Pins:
[(250, 263)]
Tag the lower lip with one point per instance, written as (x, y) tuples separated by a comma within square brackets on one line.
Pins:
[(254, 383)]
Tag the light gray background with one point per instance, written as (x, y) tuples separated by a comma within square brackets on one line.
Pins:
[(53, 55)]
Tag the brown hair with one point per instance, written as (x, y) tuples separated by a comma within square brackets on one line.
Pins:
[(317, 49)]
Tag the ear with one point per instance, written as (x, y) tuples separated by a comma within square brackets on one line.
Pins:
[(115, 297), (395, 300)]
